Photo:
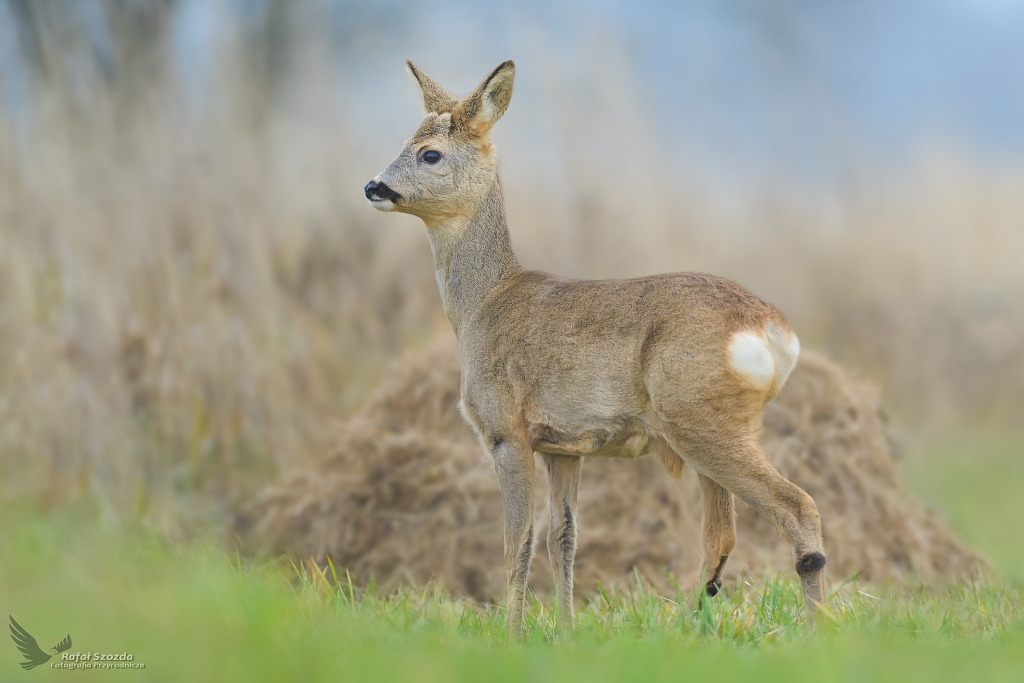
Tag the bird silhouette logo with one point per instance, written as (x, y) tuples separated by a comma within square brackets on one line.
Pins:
[(34, 656)]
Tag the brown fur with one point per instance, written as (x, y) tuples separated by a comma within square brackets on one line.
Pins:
[(571, 368)]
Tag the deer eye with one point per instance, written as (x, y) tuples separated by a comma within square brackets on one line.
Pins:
[(431, 156)]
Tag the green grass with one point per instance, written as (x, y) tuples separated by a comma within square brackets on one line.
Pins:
[(976, 480), (195, 613)]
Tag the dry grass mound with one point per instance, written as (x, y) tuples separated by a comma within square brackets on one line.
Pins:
[(408, 496)]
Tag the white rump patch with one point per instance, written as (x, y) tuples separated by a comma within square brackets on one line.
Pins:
[(750, 356)]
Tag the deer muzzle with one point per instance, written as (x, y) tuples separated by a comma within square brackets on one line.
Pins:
[(380, 195)]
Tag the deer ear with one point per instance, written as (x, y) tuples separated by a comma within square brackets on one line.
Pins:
[(436, 100), (481, 110)]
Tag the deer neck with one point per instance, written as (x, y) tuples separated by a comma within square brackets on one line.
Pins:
[(472, 256)]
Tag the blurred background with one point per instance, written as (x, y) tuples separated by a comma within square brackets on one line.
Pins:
[(193, 290)]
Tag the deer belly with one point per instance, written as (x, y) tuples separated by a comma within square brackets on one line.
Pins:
[(629, 441)]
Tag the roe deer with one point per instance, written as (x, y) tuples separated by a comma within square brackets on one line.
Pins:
[(680, 365)]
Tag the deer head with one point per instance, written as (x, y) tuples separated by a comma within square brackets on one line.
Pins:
[(446, 168)]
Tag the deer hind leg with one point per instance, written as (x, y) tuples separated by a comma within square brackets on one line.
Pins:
[(719, 535), (513, 463), (564, 483), (740, 466)]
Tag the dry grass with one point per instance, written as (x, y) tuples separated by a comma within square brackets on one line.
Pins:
[(408, 497), (189, 298), (175, 318)]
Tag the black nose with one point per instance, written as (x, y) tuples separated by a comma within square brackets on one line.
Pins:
[(375, 190)]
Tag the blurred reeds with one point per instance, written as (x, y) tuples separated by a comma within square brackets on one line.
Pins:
[(192, 289)]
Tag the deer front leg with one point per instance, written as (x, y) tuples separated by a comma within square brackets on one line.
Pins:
[(719, 535), (514, 465), (564, 483)]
